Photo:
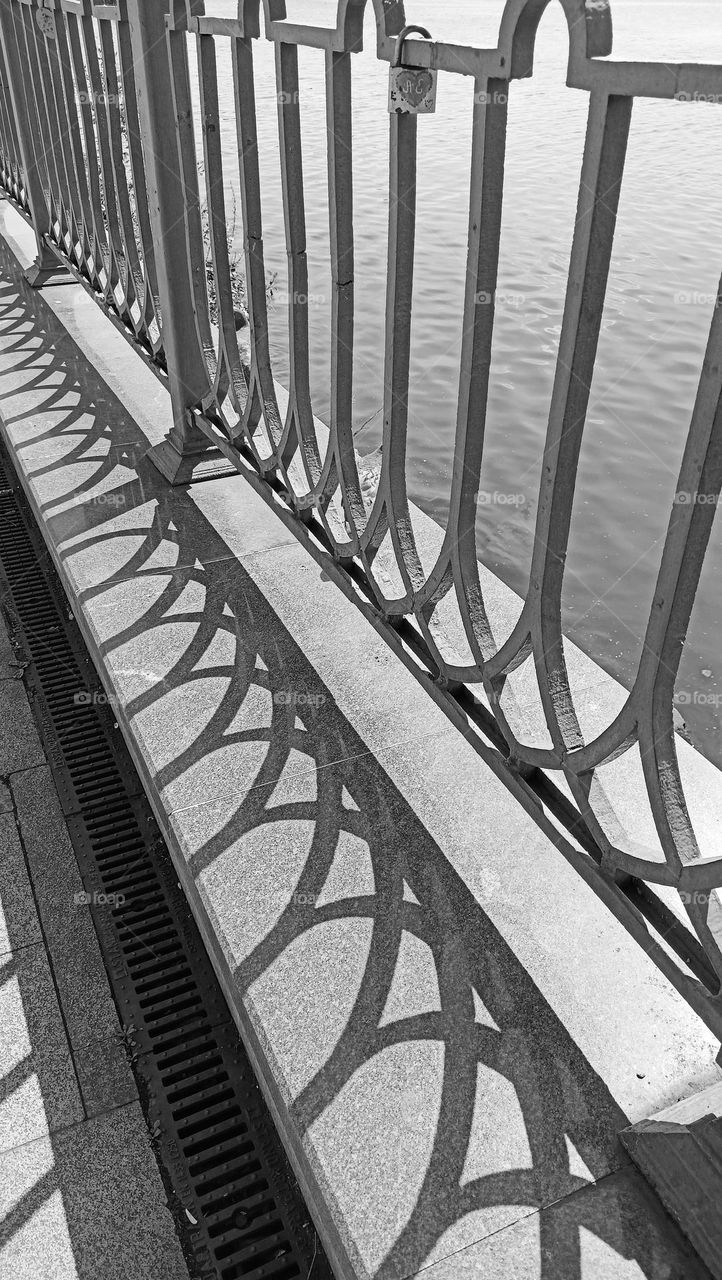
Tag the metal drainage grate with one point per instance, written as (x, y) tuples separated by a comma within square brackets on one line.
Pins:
[(238, 1209)]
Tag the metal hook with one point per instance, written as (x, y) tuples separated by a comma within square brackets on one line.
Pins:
[(421, 31)]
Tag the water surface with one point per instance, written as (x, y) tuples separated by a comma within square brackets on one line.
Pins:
[(665, 273)]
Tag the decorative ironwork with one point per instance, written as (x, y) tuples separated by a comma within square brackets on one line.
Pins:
[(70, 75), (109, 103), (11, 170)]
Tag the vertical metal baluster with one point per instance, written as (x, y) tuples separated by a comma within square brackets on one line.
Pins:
[(458, 563), (5, 144), (70, 195), (134, 286), (230, 374), (42, 76), (9, 140), (5, 130), (81, 32), (151, 301), (602, 169), (83, 210), (100, 274), (685, 547), (262, 406), (118, 281), (29, 133), (195, 247), (340, 466), (391, 509), (185, 453), (299, 430)]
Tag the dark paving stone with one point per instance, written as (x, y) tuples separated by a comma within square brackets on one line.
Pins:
[(19, 742), (103, 1070), (38, 1087), (19, 923)]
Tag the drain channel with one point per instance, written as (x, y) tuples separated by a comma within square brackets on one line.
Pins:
[(237, 1206)]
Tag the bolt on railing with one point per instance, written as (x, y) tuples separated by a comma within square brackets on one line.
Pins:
[(98, 130)]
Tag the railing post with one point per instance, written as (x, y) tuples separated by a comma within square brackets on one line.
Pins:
[(186, 454), (30, 136)]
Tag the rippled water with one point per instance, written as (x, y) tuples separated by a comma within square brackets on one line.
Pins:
[(665, 274)]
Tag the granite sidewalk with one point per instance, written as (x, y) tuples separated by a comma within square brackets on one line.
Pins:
[(81, 1197), (449, 1027)]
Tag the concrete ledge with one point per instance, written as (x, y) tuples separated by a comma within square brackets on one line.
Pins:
[(448, 1025)]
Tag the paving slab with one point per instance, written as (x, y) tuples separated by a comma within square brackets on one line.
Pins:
[(10, 669), (91, 1021), (38, 1087), (87, 1204), (19, 924), (19, 742)]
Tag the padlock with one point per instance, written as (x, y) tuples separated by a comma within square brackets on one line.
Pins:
[(412, 90), (45, 19)]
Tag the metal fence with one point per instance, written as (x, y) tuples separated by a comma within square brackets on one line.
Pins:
[(11, 174), (98, 131)]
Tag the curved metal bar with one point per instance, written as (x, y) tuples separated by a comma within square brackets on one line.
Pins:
[(230, 375), (299, 431), (590, 32), (340, 468), (188, 172), (151, 295), (262, 406), (98, 263)]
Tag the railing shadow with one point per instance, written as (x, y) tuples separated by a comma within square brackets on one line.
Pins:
[(487, 1037)]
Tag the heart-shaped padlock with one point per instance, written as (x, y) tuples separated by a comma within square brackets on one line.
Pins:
[(45, 19), (412, 90)]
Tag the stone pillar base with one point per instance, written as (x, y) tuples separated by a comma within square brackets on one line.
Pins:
[(679, 1151), (46, 269), (189, 467)]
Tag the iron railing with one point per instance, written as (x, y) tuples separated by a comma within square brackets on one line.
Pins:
[(11, 171), (99, 143)]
